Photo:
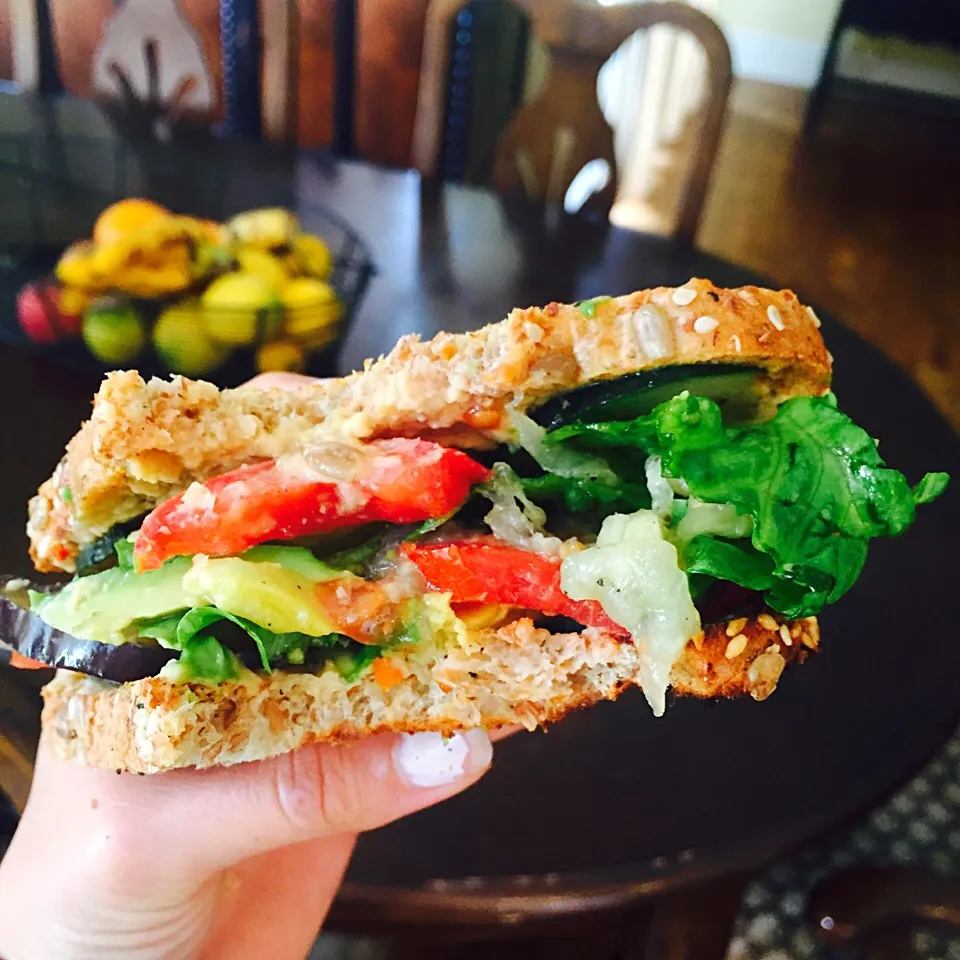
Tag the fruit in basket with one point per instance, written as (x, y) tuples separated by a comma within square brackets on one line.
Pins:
[(311, 306), (239, 308), (265, 229), (281, 355), (41, 316), (211, 231), (183, 344), (113, 331), (312, 256), (75, 269), (152, 262), (144, 272), (125, 217), (73, 301), (210, 259), (264, 265)]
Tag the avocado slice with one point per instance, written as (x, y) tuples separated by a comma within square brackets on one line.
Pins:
[(101, 606), (732, 386), (296, 559), (269, 585), (267, 594)]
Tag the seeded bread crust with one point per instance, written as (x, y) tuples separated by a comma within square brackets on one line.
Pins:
[(518, 674), (147, 441)]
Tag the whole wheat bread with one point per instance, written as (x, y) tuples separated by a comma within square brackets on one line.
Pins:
[(146, 441)]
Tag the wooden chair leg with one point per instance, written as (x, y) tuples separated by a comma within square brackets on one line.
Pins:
[(692, 924), (817, 99)]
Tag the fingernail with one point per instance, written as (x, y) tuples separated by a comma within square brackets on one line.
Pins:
[(433, 760)]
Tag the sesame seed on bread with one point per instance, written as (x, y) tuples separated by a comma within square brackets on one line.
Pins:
[(146, 441)]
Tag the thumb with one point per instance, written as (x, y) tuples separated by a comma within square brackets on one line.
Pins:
[(193, 822)]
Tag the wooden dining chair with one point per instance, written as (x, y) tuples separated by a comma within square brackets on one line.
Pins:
[(158, 70), (551, 139)]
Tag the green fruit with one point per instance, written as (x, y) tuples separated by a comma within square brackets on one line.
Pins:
[(113, 332), (210, 258), (311, 305), (239, 308), (259, 263), (182, 342)]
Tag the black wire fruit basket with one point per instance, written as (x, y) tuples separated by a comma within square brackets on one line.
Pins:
[(113, 259)]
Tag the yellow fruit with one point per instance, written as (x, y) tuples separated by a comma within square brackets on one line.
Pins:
[(311, 305), (268, 268), (73, 301), (121, 219), (113, 332), (265, 229), (75, 266), (313, 255), (182, 342), (281, 355), (239, 308), (209, 230)]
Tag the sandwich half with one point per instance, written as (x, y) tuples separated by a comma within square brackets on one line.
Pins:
[(653, 490)]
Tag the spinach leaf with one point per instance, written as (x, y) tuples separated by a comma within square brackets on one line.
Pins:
[(355, 559), (162, 628), (206, 658), (428, 526), (579, 494), (178, 630), (124, 549)]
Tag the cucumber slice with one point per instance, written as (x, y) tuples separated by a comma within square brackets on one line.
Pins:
[(732, 386)]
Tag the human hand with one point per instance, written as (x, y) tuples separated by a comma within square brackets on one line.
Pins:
[(222, 864), (229, 863)]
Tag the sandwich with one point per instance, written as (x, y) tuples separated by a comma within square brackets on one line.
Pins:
[(655, 490)]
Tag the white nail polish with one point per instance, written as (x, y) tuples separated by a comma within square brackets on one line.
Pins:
[(432, 760)]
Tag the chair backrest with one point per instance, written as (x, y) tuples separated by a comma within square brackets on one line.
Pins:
[(152, 61), (549, 140), (155, 65)]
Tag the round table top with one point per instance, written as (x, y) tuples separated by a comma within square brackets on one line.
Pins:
[(611, 803)]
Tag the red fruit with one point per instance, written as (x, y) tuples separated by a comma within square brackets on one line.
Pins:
[(39, 314)]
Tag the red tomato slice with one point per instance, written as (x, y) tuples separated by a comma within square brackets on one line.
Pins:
[(485, 571), (402, 481)]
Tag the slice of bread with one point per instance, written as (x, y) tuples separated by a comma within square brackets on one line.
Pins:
[(517, 674), (147, 441)]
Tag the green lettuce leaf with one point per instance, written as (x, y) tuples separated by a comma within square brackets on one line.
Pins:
[(930, 487), (811, 480), (735, 560)]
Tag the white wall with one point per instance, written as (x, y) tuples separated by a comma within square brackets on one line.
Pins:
[(779, 41)]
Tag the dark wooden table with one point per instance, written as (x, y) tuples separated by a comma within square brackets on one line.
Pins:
[(611, 805)]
